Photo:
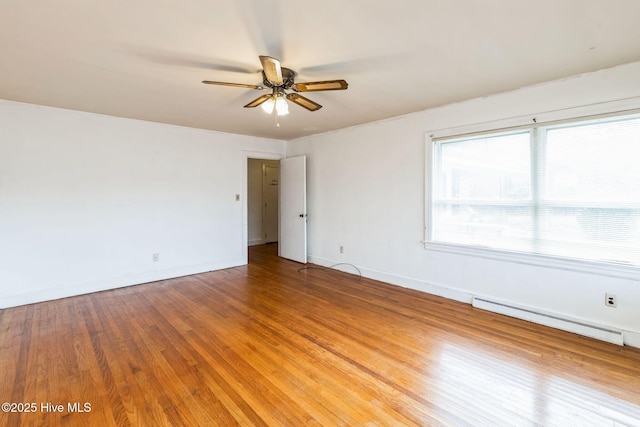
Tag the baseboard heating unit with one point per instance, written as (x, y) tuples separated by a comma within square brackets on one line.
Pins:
[(554, 321)]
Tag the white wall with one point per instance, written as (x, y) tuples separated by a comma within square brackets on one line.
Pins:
[(85, 200), (366, 193)]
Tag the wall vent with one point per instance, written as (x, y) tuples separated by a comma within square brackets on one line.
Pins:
[(593, 331)]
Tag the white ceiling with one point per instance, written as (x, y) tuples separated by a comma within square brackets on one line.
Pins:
[(145, 59)]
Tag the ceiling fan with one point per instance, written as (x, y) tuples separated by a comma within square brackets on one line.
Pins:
[(280, 79)]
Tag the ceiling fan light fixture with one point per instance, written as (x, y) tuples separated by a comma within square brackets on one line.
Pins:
[(282, 108), (268, 105)]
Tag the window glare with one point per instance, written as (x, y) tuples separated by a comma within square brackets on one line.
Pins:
[(505, 227), (486, 168), (596, 161)]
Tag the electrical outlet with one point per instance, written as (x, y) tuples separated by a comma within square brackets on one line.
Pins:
[(341, 249), (156, 257), (610, 300)]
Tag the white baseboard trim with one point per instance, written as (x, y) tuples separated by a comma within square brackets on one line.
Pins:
[(630, 338), (394, 279), (53, 293)]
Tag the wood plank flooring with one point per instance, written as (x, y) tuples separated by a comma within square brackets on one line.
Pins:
[(266, 344)]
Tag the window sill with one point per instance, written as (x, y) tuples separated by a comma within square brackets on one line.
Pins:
[(619, 271)]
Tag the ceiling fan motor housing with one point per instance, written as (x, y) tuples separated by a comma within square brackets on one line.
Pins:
[(288, 76)]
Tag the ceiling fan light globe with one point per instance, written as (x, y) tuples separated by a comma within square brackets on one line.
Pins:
[(268, 105), (282, 108)]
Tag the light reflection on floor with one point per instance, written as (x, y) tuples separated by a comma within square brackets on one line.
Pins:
[(509, 393)]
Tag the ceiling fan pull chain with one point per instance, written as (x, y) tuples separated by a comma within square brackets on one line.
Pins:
[(276, 117)]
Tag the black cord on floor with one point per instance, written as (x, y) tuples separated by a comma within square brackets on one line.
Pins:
[(331, 267)]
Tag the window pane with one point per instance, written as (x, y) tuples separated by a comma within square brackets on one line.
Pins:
[(501, 227), (487, 168), (604, 234), (594, 162), (592, 169)]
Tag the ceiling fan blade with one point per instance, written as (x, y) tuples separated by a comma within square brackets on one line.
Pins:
[(209, 82), (318, 86), (272, 69), (259, 100), (303, 102)]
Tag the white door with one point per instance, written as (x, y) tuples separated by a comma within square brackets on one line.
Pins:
[(293, 209)]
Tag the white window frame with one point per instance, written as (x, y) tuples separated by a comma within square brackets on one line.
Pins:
[(583, 113)]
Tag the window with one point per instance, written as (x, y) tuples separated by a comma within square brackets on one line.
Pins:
[(569, 190)]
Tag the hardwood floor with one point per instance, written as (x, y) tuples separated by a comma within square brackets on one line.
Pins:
[(266, 344)]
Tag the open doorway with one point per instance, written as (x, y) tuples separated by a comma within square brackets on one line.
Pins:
[(262, 201)]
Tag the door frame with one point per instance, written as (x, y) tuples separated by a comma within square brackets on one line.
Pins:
[(246, 155)]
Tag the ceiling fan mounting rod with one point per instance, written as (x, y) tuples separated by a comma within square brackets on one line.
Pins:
[(278, 91)]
